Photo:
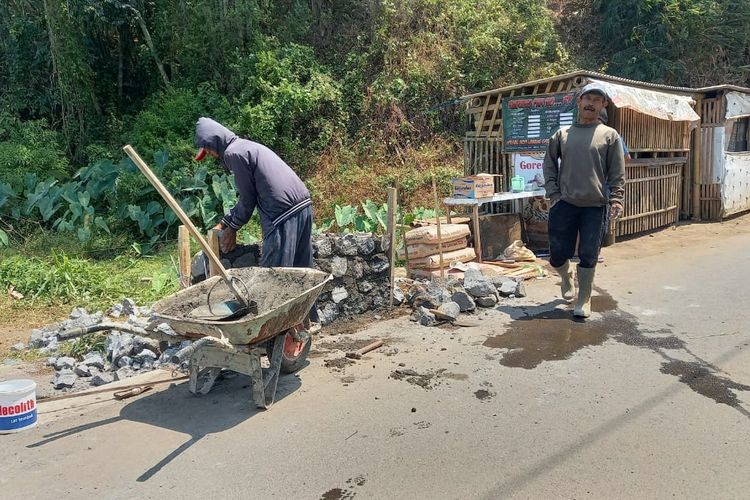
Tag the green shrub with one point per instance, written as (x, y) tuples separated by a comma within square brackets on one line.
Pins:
[(30, 147)]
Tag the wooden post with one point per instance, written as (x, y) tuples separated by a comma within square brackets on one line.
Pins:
[(477, 237), (213, 243), (183, 244), (392, 197), (437, 218), (696, 157)]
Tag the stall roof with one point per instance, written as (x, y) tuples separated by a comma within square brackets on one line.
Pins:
[(595, 75)]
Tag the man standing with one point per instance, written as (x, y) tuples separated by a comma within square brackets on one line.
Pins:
[(582, 161), (264, 181)]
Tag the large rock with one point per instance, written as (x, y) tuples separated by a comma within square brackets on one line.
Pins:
[(339, 266), (427, 318), (365, 243), (398, 296), (450, 309), (356, 268), (322, 247), (464, 301), (64, 378), (329, 313), (102, 379), (426, 300), (123, 373), (93, 359), (118, 345), (488, 301), (438, 292), (477, 285), (64, 362), (379, 264), (521, 290), (346, 245), (129, 307), (365, 286), (82, 370), (508, 288), (339, 294)]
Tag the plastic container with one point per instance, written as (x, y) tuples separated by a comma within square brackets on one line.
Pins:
[(517, 184), (17, 405)]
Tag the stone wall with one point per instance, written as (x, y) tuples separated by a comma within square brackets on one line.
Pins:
[(358, 262)]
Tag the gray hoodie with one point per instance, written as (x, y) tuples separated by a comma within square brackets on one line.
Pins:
[(263, 179)]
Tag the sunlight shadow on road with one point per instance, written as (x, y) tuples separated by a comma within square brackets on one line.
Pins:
[(228, 404)]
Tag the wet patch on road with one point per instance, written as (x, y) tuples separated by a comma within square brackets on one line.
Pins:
[(345, 493), (700, 379), (546, 336), (554, 334)]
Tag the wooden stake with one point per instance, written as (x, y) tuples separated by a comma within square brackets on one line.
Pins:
[(392, 197), (213, 242), (477, 237), (406, 247), (437, 218), (183, 244)]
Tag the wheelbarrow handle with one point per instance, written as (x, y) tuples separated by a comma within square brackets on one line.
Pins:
[(120, 327)]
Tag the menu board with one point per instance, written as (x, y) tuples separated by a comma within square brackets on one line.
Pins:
[(529, 121)]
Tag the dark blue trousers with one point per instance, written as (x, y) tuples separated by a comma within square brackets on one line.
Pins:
[(567, 223), (289, 244)]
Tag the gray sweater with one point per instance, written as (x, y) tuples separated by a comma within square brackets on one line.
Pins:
[(590, 158), (263, 179)]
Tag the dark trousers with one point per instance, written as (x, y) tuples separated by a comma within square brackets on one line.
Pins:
[(566, 224), (289, 244)]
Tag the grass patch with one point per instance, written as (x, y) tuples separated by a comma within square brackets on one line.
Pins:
[(55, 280), (93, 342), (27, 355)]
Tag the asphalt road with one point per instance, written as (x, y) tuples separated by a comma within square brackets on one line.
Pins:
[(650, 398)]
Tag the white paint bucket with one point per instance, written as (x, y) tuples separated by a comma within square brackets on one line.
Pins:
[(17, 405)]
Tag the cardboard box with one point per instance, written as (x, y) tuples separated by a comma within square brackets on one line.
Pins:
[(473, 187)]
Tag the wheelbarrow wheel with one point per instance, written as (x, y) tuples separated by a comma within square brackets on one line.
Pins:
[(294, 354)]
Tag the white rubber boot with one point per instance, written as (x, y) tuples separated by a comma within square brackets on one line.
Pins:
[(585, 282), (566, 286)]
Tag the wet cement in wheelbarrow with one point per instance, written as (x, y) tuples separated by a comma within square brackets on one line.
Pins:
[(282, 288)]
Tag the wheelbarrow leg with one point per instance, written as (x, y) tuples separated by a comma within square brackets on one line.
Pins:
[(271, 375), (206, 377)]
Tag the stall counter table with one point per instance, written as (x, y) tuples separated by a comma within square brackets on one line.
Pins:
[(476, 203)]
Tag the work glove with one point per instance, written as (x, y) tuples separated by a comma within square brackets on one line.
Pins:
[(615, 210)]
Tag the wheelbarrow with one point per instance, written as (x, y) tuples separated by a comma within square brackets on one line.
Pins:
[(284, 297)]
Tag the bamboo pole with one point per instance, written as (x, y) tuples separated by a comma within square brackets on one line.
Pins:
[(437, 218), (183, 244), (697, 168), (392, 197)]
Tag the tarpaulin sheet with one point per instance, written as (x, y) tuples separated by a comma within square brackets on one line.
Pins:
[(660, 105), (738, 105)]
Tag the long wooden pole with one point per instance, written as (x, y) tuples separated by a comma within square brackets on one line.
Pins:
[(392, 239), (696, 164), (185, 220), (437, 218)]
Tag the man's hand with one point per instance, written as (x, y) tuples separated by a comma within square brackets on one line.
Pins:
[(227, 238), (615, 210)]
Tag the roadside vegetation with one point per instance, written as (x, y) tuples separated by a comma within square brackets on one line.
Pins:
[(355, 96)]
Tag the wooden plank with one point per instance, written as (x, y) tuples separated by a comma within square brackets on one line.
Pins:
[(183, 245), (697, 169), (477, 236)]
